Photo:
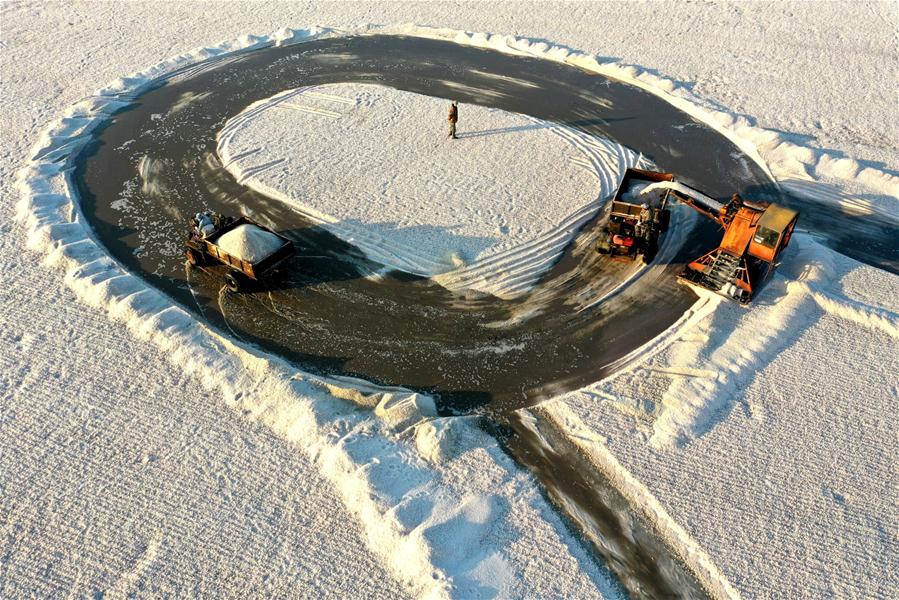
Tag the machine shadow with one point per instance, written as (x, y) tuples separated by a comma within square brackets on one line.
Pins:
[(865, 238)]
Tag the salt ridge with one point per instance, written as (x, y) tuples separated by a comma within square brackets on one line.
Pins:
[(506, 272), (57, 229), (359, 452)]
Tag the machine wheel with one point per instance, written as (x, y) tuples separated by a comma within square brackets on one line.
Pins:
[(194, 258), (234, 282), (602, 246), (664, 219)]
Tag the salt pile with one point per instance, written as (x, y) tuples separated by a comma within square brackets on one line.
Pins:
[(249, 242), (686, 191), (632, 194)]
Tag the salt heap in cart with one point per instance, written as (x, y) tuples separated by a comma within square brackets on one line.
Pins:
[(250, 251), (249, 242)]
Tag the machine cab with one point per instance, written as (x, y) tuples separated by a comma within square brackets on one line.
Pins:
[(772, 232)]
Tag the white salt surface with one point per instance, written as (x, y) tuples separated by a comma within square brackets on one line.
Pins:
[(249, 242), (374, 165), (82, 519), (777, 418)]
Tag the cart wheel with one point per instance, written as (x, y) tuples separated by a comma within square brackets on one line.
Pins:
[(652, 248), (193, 259), (603, 247), (664, 219), (234, 282)]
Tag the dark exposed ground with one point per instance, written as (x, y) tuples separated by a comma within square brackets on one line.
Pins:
[(327, 316)]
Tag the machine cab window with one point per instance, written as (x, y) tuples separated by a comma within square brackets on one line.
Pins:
[(766, 237), (772, 232)]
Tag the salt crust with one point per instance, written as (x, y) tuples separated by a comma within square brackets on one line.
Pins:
[(293, 404)]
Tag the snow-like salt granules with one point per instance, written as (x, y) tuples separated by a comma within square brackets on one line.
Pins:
[(471, 213), (683, 387), (367, 461), (249, 242)]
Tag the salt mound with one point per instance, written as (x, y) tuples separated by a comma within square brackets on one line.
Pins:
[(249, 243), (400, 411), (436, 439)]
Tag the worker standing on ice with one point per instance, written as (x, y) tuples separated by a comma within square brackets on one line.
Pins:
[(452, 118)]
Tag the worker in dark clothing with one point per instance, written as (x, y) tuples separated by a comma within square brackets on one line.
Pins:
[(452, 118)]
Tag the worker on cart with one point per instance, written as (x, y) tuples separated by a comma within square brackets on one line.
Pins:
[(643, 224), (205, 223)]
